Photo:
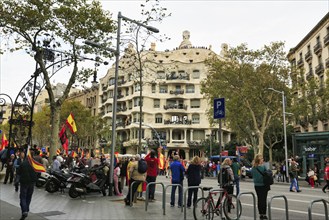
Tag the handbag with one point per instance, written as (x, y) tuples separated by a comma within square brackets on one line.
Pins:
[(315, 178)]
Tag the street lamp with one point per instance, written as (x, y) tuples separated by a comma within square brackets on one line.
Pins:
[(284, 128), (210, 138), (115, 92), (156, 133)]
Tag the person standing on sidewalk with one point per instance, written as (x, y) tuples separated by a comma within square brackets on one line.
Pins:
[(152, 172), (193, 179), (135, 176), (260, 188), (326, 177), (177, 177), (28, 178), (17, 163), (10, 169), (293, 173), (236, 173)]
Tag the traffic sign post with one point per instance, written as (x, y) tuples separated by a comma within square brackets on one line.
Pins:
[(219, 113), (219, 108)]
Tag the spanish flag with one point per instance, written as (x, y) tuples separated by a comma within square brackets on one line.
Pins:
[(38, 167), (4, 141), (73, 154), (71, 123), (161, 161)]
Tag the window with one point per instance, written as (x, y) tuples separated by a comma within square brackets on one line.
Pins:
[(156, 103), (158, 118), (136, 101), (127, 91), (111, 94), (153, 88), (130, 104), (189, 88), (198, 135), (195, 119), (111, 81), (195, 103), (137, 87), (161, 75), (196, 74), (163, 89), (129, 77)]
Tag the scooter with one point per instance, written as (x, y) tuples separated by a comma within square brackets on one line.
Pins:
[(82, 184), (42, 179), (57, 181)]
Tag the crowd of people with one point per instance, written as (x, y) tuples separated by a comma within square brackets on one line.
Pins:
[(127, 171)]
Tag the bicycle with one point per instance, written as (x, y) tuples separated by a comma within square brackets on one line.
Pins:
[(205, 208)]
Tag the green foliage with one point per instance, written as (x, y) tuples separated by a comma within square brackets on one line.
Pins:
[(243, 78)]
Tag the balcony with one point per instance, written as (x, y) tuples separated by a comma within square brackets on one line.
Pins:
[(121, 82), (177, 77), (177, 92), (104, 87), (309, 75), (327, 63), (121, 109), (180, 122), (326, 40), (308, 56), (319, 69), (300, 62), (175, 106), (120, 96), (317, 48)]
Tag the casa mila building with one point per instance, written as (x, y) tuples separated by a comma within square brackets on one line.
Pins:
[(174, 112)]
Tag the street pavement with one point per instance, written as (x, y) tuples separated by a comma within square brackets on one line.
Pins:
[(94, 206)]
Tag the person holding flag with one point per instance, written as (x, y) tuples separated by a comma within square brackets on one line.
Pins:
[(28, 177)]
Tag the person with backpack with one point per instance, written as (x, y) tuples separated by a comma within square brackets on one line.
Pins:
[(137, 173), (227, 176), (261, 190)]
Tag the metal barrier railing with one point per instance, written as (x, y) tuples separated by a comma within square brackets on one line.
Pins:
[(325, 208), (164, 207), (130, 190), (184, 198), (270, 204), (148, 192), (238, 201)]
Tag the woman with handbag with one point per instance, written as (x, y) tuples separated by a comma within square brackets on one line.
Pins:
[(311, 177)]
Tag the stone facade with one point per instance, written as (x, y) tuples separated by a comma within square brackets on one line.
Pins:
[(311, 56), (172, 104)]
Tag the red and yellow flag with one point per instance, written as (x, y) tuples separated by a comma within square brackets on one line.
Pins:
[(161, 161), (38, 167), (70, 122), (4, 141)]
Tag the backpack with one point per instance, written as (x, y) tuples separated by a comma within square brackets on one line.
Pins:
[(225, 176), (142, 166), (267, 176)]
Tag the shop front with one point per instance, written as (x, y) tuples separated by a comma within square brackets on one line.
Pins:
[(311, 148)]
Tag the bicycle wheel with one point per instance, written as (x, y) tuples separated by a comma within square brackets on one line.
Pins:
[(203, 209), (230, 207)]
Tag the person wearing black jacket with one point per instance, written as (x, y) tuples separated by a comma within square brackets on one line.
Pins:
[(193, 179), (28, 178)]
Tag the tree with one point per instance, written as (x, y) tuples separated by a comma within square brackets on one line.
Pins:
[(65, 23), (243, 77)]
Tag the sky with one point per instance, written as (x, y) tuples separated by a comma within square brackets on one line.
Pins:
[(256, 23)]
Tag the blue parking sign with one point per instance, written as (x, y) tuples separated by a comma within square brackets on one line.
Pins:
[(219, 108)]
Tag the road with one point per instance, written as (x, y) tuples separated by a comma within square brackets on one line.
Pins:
[(95, 206)]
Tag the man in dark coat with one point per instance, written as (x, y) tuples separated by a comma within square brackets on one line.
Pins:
[(28, 178)]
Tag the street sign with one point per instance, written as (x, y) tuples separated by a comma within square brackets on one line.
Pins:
[(219, 108)]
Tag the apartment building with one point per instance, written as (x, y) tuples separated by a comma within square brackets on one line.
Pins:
[(310, 64), (173, 108)]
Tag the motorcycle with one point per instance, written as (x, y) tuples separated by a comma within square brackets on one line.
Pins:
[(82, 183), (57, 181), (42, 179)]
